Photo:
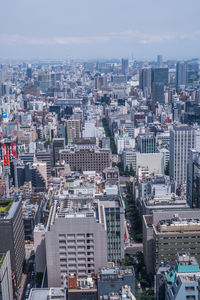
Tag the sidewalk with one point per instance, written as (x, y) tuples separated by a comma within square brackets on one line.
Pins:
[(21, 289)]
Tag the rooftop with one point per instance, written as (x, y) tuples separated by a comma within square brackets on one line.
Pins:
[(47, 294), (5, 205)]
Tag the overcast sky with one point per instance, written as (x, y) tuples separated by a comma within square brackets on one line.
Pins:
[(99, 29)]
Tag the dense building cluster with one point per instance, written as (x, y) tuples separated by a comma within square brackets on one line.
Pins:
[(100, 165)]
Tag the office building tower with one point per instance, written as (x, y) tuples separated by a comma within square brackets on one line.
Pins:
[(114, 215), (181, 74), (12, 234), (100, 82), (158, 93), (29, 71), (76, 240), (193, 180), (86, 160), (58, 144), (146, 142), (160, 75), (45, 81), (124, 65), (6, 291), (45, 156), (145, 81), (159, 79), (129, 159), (74, 128), (159, 60), (182, 139), (38, 177)]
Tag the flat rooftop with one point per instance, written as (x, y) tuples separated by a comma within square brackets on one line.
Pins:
[(179, 224), (47, 294)]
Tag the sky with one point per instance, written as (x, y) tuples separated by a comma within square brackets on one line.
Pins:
[(88, 29)]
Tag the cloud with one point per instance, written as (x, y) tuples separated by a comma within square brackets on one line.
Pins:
[(136, 36)]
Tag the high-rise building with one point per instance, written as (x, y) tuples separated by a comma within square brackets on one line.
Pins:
[(76, 241), (6, 291), (182, 139), (124, 63), (101, 82), (193, 180), (29, 71), (160, 75), (159, 79), (74, 128), (58, 144), (158, 93), (181, 73), (146, 143), (12, 234), (45, 156), (113, 209), (129, 159), (159, 60), (145, 81)]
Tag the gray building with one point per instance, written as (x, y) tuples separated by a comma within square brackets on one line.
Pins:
[(111, 280), (87, 159), (12, 235), (182, 139), (168, 232), (160, 75), (6, 291), (145, 81), (45, 156), (193, 179), (113, 209), (76, 241), (129, 159), (168, 202), (146, 143), (47, 294), (58, 144), (182, 281), (181, 73)]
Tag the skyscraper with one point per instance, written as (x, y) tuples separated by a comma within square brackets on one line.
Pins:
[(181, 73), (12, 235), (158, 93), (193, 180), (146, 143), (159, 60), (160, 75), (29, 71), (145, 81), (124, 65), (182, 139)]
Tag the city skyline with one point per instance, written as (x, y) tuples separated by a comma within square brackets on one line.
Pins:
[(91, 30)]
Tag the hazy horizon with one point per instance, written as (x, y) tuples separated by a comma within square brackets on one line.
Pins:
[(44, 29)]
